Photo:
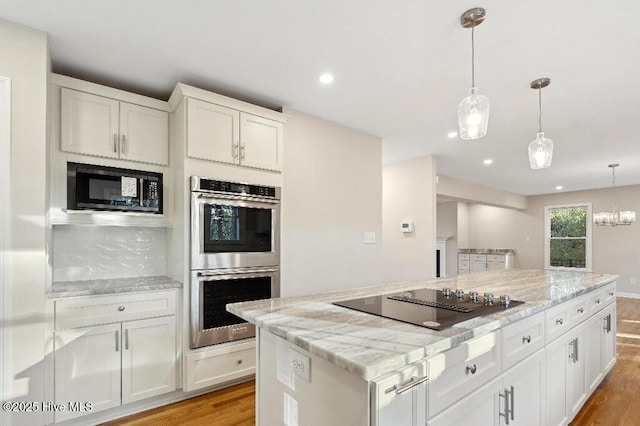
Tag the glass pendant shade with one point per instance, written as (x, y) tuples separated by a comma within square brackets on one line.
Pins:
[(540, 152), (473, 116)]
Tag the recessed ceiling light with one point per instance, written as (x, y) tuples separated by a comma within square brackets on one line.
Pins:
[(488, 161), (559, 187), (326, 79), (452, 134)]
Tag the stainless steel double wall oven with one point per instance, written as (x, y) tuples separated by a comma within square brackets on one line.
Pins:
[(235, 255)]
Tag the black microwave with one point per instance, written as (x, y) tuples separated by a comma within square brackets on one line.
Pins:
[(91, 187)]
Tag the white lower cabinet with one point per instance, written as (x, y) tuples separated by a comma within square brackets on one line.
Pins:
[(87, 368), (101, 366), (479, 408)]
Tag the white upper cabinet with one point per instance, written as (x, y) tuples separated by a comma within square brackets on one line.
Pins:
[(227, 135), (105, 127), (213, 132)]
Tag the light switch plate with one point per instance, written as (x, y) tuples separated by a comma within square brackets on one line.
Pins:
[(300, 364)]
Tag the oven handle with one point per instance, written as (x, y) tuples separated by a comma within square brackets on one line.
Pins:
[(238, 197), (237, 271)]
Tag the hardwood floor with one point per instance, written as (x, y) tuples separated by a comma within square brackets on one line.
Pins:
[(615, 402)]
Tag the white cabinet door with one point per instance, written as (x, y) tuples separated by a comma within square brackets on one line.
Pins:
[(524, 392), (478, 408), (593, 357), (608, 318), (261, 142), (89, 124), (556, 367), (148, 358), (399, 399), (144, 134), (495, 266), (213, 132), (478, 266), (87, 368), (577, 353)]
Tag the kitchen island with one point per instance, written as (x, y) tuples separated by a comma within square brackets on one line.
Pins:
[(535, 363)]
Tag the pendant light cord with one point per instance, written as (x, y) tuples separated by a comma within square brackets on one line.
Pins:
[(473, 57), (539, 110)]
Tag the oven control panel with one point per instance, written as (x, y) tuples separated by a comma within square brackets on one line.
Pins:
[(211, 185)]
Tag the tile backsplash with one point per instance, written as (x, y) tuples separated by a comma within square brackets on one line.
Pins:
[(103, 252)]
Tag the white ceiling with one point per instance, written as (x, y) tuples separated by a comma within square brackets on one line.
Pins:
[(401, 68)]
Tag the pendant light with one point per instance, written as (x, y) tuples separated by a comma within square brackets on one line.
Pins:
[(473, 111), (614, 218), (541, 149)]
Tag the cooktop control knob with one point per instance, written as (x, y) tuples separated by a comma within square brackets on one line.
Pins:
[(460, 293), (473, 295), (446, 292), (488, 299), (505, 300)]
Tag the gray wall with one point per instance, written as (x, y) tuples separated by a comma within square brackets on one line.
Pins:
[(615, 249), (25, 60), (332, 195)]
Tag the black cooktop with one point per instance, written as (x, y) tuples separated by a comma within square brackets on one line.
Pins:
[(434, 309)]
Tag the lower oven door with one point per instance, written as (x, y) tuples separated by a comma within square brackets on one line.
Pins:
[(212, 290)]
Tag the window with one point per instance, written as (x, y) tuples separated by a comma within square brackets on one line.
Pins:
[(568, 237)]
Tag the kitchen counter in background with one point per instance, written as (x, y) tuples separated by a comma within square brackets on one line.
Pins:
[(485, 251), (111, 286), (371, 346)]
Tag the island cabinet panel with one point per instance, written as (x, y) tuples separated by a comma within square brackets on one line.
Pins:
[(300, 388), (399, 398), (456, 372)]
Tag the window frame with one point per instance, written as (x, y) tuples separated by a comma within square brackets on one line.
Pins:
[(588, 237)]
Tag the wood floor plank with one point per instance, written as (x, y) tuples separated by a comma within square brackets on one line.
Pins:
[(616, 402)]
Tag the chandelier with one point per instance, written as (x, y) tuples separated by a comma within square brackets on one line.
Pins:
[(614, 218), (473, 111)]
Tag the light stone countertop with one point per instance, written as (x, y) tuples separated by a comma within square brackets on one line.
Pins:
[(371, 346), (111, 286)]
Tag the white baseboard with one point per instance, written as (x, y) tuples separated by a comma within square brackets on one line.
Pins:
[(629, 295)]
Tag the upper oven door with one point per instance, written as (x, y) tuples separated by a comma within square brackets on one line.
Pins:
[(234, 231)]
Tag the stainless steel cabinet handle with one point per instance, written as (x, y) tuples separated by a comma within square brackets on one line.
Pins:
[(242, 151), (414, 381), (513, 406), (526, 339), (609, 323), (611, 293), (117, 340), (559, 321), (115, 142), (572, 350), (121, 308), (236, 150), (239, 362), (508, 404), (471, 369), (577, 346), (123, 146), (597, 301), (126, 339), (580, 310)]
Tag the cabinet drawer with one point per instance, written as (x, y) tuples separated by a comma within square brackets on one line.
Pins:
[(609, 293), (556, 321), (521, 339), (457, 372), (463, 256), (463, 265), (220, 365), (478, 257), (495, 258), (579, 310), (95, 310)]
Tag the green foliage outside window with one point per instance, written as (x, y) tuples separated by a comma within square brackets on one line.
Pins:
[(568, 237)]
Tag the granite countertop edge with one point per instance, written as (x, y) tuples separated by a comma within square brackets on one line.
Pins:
[(485, 251), (63, 289), (371, 346)]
